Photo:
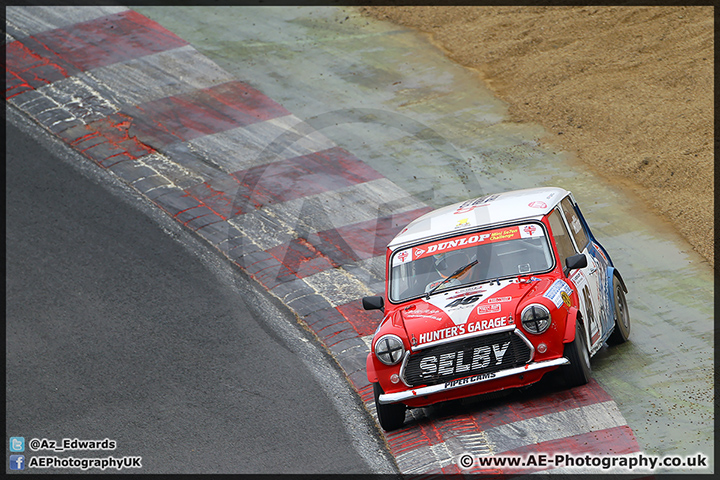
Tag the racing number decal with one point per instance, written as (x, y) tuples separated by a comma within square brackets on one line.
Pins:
[(604, 286), (589, 311), (463, 301), (586, 305)]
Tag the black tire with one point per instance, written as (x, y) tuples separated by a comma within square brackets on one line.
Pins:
[(621, 332), (391, 416), (578, 372)]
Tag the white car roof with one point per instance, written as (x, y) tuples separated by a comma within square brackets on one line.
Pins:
[(531, 203)]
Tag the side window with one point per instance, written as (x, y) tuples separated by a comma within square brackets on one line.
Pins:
[(576, 226), (562, 237)]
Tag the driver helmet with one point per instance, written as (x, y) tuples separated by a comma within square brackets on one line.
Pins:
[(447, 263)]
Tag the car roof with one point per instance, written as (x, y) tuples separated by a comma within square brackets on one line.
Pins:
[(497, 208)]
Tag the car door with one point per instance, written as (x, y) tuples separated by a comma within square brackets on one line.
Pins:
[(590, 281), (580, 278)]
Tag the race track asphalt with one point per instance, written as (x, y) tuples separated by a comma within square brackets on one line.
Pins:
[(116, 330)]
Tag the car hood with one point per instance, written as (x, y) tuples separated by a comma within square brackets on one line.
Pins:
[(479, 309)]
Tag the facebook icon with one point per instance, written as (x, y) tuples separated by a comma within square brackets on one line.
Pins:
[(17, 462)]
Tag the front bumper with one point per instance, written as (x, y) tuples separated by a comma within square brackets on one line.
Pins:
[(386, 398)]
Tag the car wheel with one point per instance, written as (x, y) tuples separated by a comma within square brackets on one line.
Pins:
[(621, 332), (391, 416), (578, 372)]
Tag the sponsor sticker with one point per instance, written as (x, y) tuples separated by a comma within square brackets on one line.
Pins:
[(489, 323), (554, 293), (467, 240), (433, 313), (468, 380), (471, 327), (491, 308), (537, 204), (575, 224), (441, 334), (403, 256), (463, 361), (566, 299), (466, 291), (462, 223), (599, 250), (531, 230), (499, 299), (471, 205), (578, 279)]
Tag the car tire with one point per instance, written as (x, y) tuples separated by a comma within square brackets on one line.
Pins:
[(578, 372), (621, 332), (391, 416)]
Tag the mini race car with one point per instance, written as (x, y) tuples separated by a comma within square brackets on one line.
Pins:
[(490, 294)]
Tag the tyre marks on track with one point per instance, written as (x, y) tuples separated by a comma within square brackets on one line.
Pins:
[(300, 214)]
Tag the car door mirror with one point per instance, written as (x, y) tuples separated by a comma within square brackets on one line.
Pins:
[(373, 303), (575, 262)]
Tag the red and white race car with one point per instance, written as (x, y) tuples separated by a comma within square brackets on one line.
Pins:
[(490, 294)]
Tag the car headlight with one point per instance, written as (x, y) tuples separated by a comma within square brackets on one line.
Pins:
[(535, 318), (389, 349)]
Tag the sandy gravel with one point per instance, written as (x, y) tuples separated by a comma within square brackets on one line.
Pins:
[(629, 90)]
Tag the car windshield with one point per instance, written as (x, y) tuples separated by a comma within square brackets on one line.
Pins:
[(500, 253)]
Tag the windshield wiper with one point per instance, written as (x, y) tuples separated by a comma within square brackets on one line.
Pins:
[(460, 271)]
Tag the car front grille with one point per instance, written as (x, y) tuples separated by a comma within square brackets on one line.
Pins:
[(478, 355)]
